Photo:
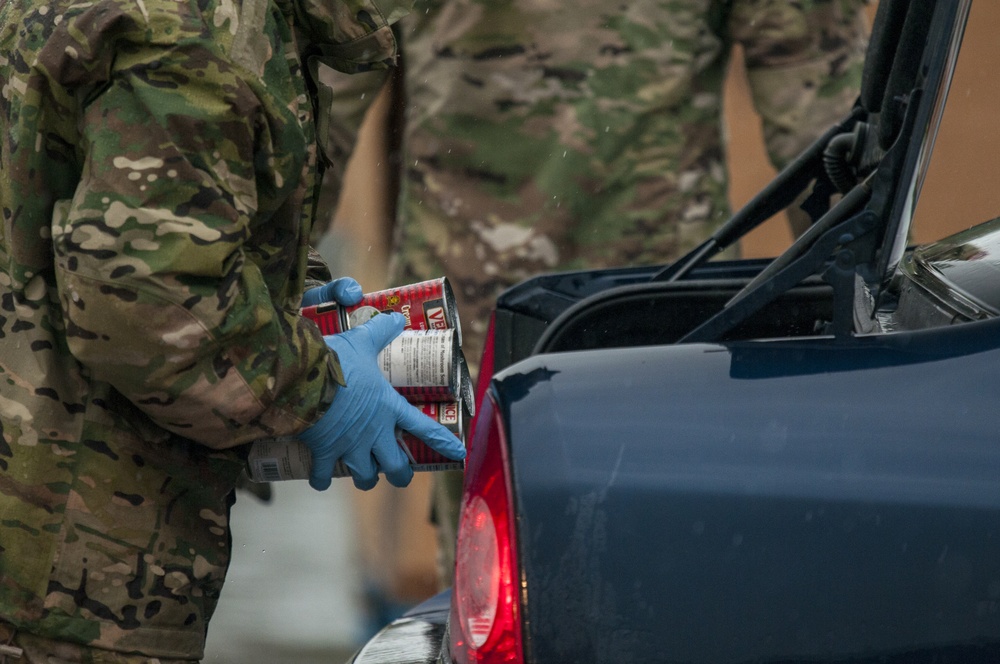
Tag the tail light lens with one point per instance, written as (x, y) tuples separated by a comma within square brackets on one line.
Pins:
[(485, 616)]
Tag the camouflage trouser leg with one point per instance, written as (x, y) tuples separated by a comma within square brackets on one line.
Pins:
[(22, 648)]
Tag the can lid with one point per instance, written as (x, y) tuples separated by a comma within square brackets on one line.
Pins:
[(468, 392), (451, 307), (358, 316)]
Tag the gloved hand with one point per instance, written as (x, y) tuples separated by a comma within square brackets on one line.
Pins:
[(344, 291), (360, 425)]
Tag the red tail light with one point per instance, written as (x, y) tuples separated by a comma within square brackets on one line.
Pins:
[(485, 615), (486, 364)]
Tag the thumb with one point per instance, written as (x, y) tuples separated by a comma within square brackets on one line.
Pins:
[(383, 328), (345, 290), (321, 473)]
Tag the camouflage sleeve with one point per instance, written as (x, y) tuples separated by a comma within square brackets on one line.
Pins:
[(162, 294), (350, 35), (804, 62)]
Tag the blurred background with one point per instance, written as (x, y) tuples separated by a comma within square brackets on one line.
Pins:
[(292, 594)]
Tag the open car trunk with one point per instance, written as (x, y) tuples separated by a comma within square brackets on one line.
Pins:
[(857, 182), (620, 308)]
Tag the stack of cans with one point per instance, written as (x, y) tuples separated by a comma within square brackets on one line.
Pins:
[(425, 364)]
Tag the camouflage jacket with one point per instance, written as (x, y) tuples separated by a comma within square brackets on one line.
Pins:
[(158, 182), (541, 136)]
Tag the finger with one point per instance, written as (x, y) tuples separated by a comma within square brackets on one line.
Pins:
[(364, 470), (321, 474), (345, 290), (437, 436), (383, 328), (392, 460)]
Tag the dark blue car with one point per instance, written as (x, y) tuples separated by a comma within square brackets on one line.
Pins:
[(759, 461)]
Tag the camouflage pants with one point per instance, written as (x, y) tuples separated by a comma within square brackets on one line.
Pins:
[(21, 648)]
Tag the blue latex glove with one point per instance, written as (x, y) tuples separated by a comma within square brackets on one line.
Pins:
[(360, 425), (344, 291)]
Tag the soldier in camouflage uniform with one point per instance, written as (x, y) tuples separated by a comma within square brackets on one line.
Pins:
[(556, 135), (159, 173)]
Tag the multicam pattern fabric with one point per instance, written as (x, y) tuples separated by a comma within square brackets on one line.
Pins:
[(545, 135), (158, 181), (38, 650)]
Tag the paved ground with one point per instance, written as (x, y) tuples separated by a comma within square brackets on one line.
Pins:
[(291, 594)]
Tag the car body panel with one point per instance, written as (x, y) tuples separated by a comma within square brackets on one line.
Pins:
[(776, 507), (962, 270), (414, 638)]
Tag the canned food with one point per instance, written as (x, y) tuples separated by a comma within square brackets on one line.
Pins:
[(278, 459), (427, 305), (451, 415), (424, 365), (468, 389)]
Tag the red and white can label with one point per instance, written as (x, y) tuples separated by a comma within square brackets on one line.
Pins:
[(450, 415), (424, 364), (327, 316), (427, 305)]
